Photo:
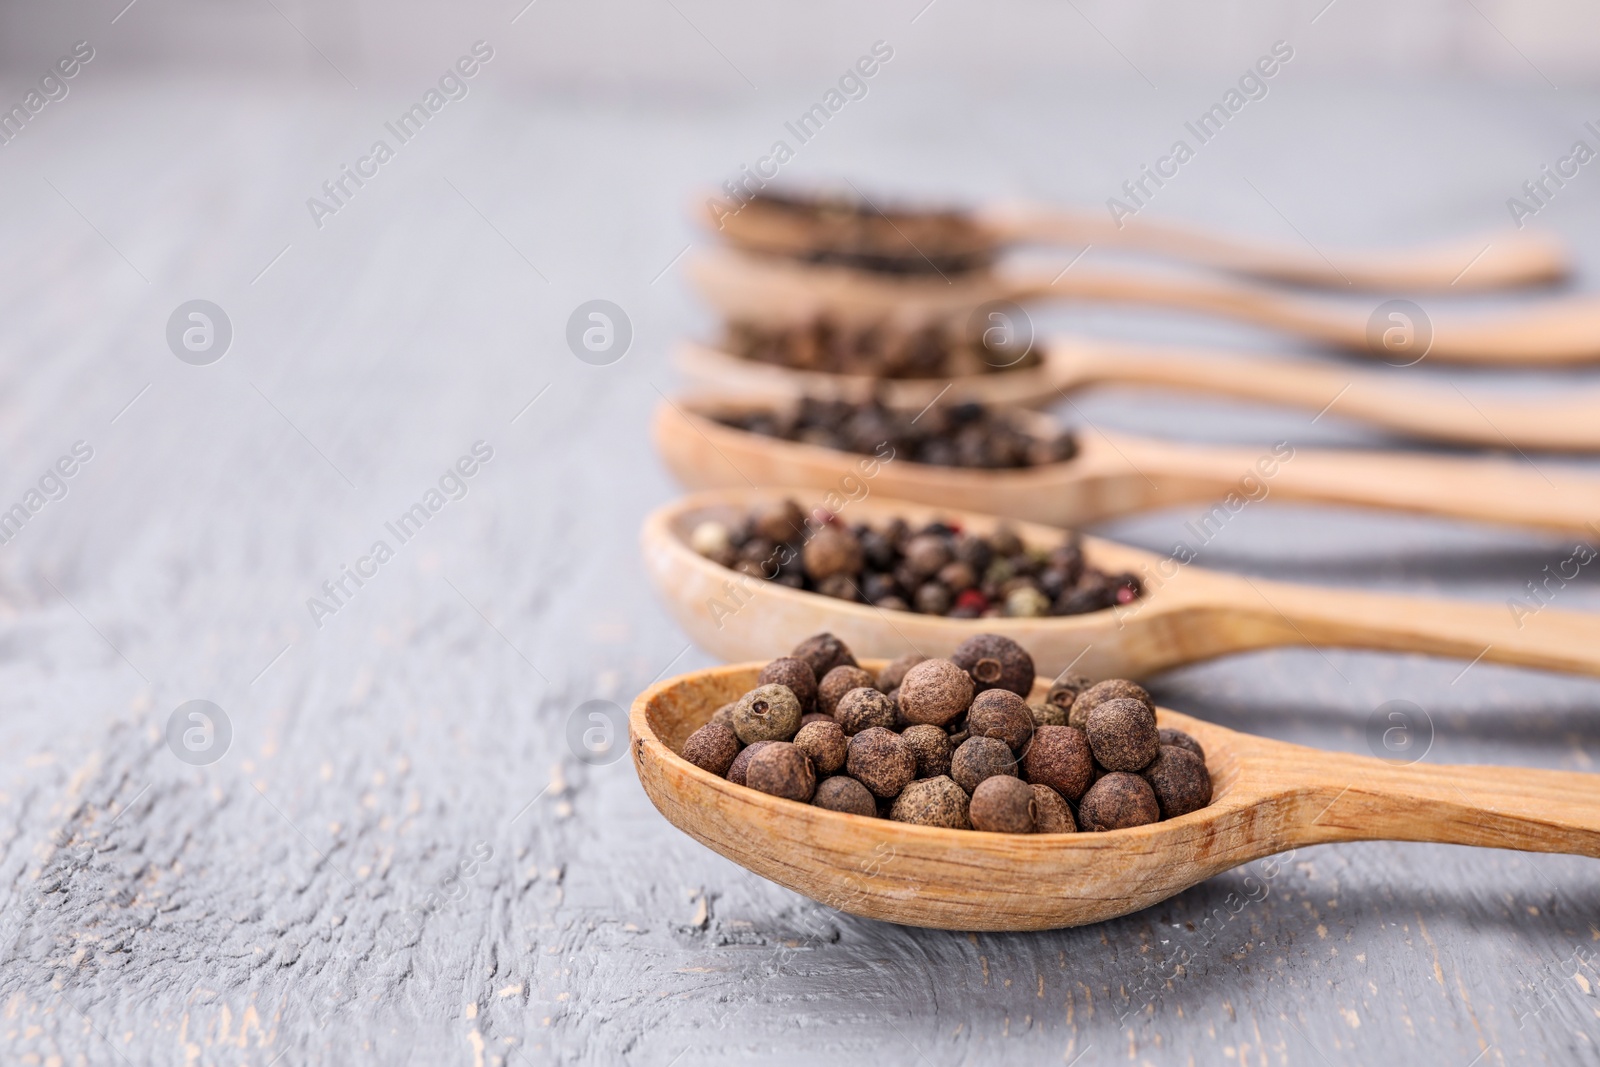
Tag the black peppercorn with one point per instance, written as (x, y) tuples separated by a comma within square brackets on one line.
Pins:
[(825, 743), (783, 770), (824, 652), (1001, 713), (935, 691), (766, 713), (741, 762), (795, 673), (836, 683), (1003, 805), (1122, 734), (932, 802), (931, 748), (863, 708), (995, 662), (1052, 815), (1059, 757), (1180, 781), (1110, 689), (879, 760), (1117, 801), (978, 758), (712, 748), (841, 793)]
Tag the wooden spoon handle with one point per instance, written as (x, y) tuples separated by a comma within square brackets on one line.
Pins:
[(1522, 631), (1436, 412), (1487, 490), (1487, 261), (1358, 798)]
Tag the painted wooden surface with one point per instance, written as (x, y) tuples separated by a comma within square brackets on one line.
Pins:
[(400, 858)]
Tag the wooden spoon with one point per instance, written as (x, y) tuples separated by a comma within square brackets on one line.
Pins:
[(1117, 474), (773, 291), (912, 240), (1267, 797), (1561, 423), (1187, 614)]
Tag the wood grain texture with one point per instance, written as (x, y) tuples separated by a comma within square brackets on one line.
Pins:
[(158, 913)]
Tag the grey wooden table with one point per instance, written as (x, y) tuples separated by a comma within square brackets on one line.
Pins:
[(398, 858)]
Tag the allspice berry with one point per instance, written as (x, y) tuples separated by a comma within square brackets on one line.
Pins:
[(795, 673), (1117, 801), (741, 762), (932, 802), (1182, 740), (1001, 713), (778, 521), (824, 652), (1052, 815), (766, 713), (1048, 714), (814, 716), (1002, 805), (1122, 734), (1180, 781), (724, 715), (879, 760), (825, 743), (833, 550), (841, 793), (995, 662), (1059, 757), (836, 683), (863, 708), (931, 748), (1099, 693), (890, 677), (1065, 689), (935, 691), (712, 748), (979, 758), (784, 771)]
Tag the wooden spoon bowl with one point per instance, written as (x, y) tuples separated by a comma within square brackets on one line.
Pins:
[(1186, 615), (1267, 797)]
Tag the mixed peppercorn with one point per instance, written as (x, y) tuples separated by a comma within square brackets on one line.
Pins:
[(953, 742), (935, 569), (936, 350)]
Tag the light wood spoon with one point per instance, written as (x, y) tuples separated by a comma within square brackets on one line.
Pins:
[(1187, 613), (1267, 797), (777, 292), (928, 240), (1118, 474), (1561, 423)]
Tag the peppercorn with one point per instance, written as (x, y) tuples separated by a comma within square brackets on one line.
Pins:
[(712, 748), (1003, 805), (863, 708), (778, 521), (890, 677), (978, 758), (1059, 757), (1182, 740), (784, 771), (713, 541), (825, 743), (836, 683), (1001, 713), (795, 673), (1110, 689), (724, 715), (832, 551), (957, 576), (1026, 602), (824, 652), (879, 760), (1180, 781), (840, 587), (741, 762), (1117, 801), (931, 747), (926, 554), (1052, 815), (935, 691), (933, 802), (1048, 714), (1005, 541), (931, 598), (842, 793), (1122, 734), (767, 713), (1065, 689), (995, 662)]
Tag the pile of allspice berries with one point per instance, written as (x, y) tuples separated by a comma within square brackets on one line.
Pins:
[(953, 742)]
